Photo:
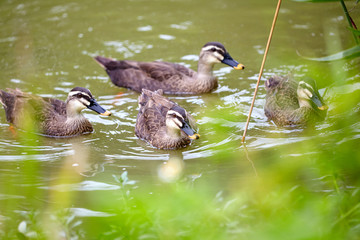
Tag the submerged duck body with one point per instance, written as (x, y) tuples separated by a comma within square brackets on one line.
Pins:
[(49, 116), (163, 123), (170, 77), (290, 103)]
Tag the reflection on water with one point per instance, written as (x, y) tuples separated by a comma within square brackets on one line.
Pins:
[(166, 37), (171, 170), (83, 212), (126, 48), (83, 186)]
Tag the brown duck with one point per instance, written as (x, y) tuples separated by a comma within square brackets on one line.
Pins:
[(49, 116), (172, 78), (289, 102), (163, 123)]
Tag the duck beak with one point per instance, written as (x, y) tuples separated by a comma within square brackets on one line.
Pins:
[(318, 101), (97, 108), (189, 131), (228, 60)]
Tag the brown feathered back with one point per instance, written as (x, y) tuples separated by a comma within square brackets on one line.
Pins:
[(43, 115), (151, 121), (171, 78)]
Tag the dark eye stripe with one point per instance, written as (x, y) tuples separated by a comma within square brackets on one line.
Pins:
[(220, 51), (87, 98), (84, 96)]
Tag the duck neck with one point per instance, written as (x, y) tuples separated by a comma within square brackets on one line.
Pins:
[(76, 123), (73, 115), (205, 71)]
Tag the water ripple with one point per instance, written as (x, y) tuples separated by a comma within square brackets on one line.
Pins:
[(83, 186)]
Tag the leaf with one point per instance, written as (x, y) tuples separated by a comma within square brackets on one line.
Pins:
[(124, 177), (348, 53), (116, 178), (355, 31)]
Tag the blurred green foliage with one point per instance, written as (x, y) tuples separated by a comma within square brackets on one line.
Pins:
[(348, 53)]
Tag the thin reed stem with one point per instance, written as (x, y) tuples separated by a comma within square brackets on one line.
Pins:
[(262, 68), (350, 21)]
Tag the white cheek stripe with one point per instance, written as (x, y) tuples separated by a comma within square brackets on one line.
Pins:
[(76, 92), (218, 56), (306, 90), (178, 123), (308, 93), (210, 47), (307, 85), (171, 124), (174, 112), (84, 101)]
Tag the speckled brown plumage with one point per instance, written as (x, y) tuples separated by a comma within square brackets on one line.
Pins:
[(151, 121), (170, 77), (47, 116), (282, 103)]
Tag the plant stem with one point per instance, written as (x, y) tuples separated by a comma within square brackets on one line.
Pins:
[(262, 68), (350, 21), (346, 214)]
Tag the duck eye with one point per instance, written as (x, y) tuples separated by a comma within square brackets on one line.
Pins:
[(213, 49)]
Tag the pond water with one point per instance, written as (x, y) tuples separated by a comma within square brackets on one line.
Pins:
[(47, 49)]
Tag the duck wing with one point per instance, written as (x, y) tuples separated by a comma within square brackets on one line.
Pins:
[(149, 75), (20, 106), (57, 105), (165, 71), (281, 97), (286, 95), (282, 92), (149, 121), (149, 99)]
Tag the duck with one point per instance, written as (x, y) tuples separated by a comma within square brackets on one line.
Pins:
[(291, 103), (49, 116), (163, 123), (172, 78)]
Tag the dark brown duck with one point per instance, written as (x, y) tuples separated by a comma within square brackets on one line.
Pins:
[(170, 77), (49, 116), (289, 102), (163, 123)]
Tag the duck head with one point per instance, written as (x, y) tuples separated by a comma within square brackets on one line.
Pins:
[(308, 95), (80, 98), (215, 52), (177, 122)]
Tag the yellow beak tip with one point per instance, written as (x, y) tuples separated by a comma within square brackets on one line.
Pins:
[(195, 136), (239, 67), (106, 113), (324, 107)]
